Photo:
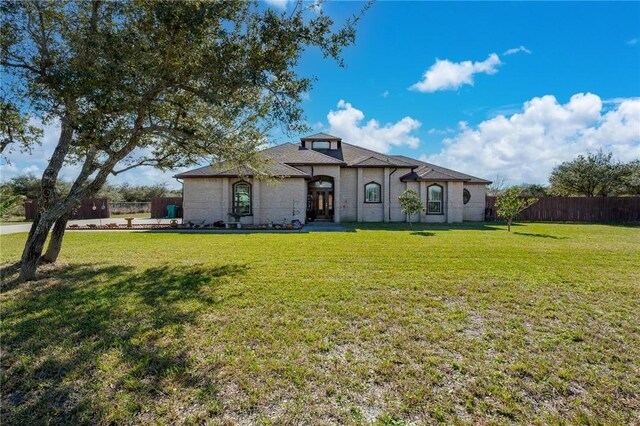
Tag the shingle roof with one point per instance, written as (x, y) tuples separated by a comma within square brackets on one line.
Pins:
[(357, 156), (428, 171), (227, 170), (293, 154), (287, 155), (322, 136)]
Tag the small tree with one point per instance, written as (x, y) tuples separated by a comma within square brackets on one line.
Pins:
[(509, 204), (410, 204)]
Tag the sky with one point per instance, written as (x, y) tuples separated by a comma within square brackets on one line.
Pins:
[(499, 88)]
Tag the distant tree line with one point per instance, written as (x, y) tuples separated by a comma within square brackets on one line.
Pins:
[(28, 187), (593, 175)]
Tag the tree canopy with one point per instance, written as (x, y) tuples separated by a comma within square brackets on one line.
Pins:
[(596, 174), (155, 83)]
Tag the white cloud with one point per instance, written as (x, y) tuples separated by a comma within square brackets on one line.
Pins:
[(516, 50), (385, 94), (632, 42), (280, 4), (347, 122), (526, 146), (447, 75), (434, 131)]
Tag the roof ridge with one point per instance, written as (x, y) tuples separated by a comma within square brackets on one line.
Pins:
[(370, 150)]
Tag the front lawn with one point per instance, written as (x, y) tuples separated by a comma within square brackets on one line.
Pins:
[(461, 325)]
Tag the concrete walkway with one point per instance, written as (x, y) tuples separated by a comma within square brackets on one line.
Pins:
[(323, 227), (25, 227)]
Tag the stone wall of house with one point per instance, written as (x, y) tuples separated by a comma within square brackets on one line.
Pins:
[(474, 209), (349, 195), (202, 200)]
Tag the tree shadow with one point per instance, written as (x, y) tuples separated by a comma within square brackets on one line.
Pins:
[(82, 339), (423, 234), (528, 234)]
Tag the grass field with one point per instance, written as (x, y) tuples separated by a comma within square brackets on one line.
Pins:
[(459, 325)]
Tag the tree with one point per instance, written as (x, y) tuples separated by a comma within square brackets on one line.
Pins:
[(510, 203), (154, 83), (533, 190), (8, 202), (631, 178), (15, 128), (597, 174), (410, 204)]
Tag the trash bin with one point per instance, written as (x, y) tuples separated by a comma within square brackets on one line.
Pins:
[(172, 211)]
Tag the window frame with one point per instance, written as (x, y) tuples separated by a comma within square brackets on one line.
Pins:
[(235, 204), (313, 145), (466, 194), (379, 193), (441, 201)]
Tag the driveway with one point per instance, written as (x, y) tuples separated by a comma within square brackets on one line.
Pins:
[(25, 227)]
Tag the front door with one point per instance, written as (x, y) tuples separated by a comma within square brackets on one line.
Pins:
[(321, 204)]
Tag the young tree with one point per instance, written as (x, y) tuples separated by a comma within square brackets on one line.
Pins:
[(154, 83), (597, 174), (410, 204), (510, 203)]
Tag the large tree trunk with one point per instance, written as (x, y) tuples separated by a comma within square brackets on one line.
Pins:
[(55, 244), (47, 213), (34, 245)]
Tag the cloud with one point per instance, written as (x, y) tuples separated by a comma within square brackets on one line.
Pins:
[(385, 94), (280, 4), (434, 131), (447, 75), (632, 42), (516, 50), (347, 122), (527, 145)]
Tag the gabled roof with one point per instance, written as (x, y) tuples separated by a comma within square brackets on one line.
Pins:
[(431, 172), (362, 157), (321, 136)]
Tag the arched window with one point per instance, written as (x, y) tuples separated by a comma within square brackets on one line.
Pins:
[(242, 198), (466, 196), (434, 199), (372, 193)]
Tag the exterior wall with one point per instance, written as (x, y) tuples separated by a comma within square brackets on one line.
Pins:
[(203, 200), (349, 194), (397, 188), (434, 218), (211, 199), (474, 209), (283, 200), (454, 202), (373, 212)]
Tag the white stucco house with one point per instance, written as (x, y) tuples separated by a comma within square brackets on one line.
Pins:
[(326, 179)]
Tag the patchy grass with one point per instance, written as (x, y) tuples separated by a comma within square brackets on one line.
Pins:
[(460, 325)]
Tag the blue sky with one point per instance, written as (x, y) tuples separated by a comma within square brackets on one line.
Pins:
[(485, 88)]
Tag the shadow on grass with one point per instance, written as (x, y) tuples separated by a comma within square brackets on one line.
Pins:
[(528, 234), (419, 227), (100, 345), (423, 234)]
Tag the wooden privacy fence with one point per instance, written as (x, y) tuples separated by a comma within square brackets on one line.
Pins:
[(159, 206), (83, 211), (576, 209)]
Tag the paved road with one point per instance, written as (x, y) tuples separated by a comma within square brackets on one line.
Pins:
[(14, 229)]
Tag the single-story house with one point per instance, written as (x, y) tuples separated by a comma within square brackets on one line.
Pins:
[(323, 178)]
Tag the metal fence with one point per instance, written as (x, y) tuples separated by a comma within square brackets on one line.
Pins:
[(576, 209)]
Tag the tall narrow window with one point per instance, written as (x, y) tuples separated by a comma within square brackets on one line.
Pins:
[(242, 198), (434, 199), (372, 193)]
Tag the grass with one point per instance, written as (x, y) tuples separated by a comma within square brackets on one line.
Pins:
[(136, 215), (455, 325)]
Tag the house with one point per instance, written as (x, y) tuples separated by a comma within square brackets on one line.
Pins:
[(326, 179)]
